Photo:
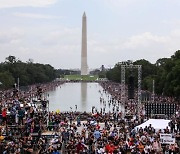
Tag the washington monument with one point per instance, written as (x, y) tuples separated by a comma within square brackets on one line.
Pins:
[(84, 66)]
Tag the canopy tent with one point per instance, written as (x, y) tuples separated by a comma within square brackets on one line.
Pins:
[(155, 123)]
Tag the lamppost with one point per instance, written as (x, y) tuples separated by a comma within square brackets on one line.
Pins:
[(1, 91), (15, 85), (75, 108), (18, 84), (15, 91)]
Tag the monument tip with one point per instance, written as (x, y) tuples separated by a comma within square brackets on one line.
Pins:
[(84, 14)]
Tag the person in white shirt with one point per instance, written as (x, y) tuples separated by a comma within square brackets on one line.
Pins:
[(148, 148)]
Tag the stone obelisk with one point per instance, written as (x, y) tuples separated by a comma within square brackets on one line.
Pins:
[(84, 66)]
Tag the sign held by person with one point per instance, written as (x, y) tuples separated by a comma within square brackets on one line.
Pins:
[(167, 139)]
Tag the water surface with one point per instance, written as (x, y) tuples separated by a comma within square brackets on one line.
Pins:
[(83, 95)]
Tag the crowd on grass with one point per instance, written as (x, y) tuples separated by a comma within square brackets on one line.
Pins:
[(25, 128)]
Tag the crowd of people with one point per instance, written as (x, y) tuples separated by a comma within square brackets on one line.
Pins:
[(25, 128), (22, 113)]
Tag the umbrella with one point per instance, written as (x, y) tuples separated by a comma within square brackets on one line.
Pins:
[(29, 120), (57, 111), (2, 138), (62, 123), (54, 140), (93, 123)]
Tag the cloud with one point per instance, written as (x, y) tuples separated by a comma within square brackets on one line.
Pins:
[(26, 3), (126, 3), (119, 3), (13, 35), (50, 44), (66, 44), (145, 45), (172, 22), (61, 46), (63, 36), (143, 40), (35, 16)]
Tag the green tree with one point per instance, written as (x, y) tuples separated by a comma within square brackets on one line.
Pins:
[(165, 72), (6, 79)]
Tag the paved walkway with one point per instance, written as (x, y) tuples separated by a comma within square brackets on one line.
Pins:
[(79, 129)]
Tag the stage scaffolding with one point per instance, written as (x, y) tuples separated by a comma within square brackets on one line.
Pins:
[(123, 82)]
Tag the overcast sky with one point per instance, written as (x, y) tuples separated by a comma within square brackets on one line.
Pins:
[(49, 31)]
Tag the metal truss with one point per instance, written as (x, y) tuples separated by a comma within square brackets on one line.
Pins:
[(123, 82), (153, 94)]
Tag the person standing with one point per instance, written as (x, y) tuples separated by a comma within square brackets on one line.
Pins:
[(16, 117), (21, 114), (157, 146), (4, 116)]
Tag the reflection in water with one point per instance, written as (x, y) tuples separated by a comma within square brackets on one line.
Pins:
[(83, 95)]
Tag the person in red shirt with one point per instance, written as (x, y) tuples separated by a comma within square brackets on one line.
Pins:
[(131, 141), (107, 147), (79, 147), (4, 116), (98, 126), (110, 148)]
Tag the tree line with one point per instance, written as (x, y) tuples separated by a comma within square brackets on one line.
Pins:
[(27, 73), (165, 72)]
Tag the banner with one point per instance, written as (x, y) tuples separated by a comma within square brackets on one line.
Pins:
[(167, 139)]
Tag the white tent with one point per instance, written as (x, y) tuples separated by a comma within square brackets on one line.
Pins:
[(155, 123)]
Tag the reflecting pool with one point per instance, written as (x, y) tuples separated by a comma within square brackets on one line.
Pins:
[(80, 97)]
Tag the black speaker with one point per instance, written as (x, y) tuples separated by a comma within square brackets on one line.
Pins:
[(131, 88)]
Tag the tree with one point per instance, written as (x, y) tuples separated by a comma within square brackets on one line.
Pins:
[(165, 72), (28, 73), (6, 79), (11, 59)]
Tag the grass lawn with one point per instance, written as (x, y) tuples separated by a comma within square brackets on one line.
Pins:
[(81, 77)]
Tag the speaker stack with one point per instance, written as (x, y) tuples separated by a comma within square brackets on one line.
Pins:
[(131, 87)]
